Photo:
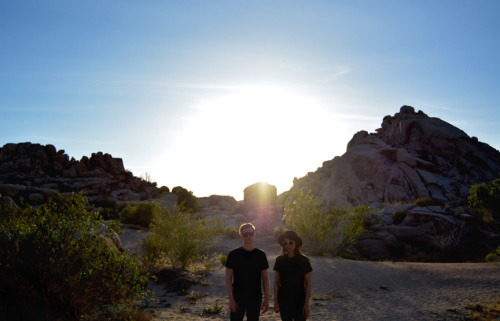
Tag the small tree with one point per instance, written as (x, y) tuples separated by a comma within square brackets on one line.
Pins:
[(310, 219), (177, 236), (324, 229), (186, 199), (139, 214), (484, 199)]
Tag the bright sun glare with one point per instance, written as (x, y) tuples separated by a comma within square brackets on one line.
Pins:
[(252, 134)]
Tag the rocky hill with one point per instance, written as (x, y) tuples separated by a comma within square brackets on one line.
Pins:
[(411, 156), (31, 173)]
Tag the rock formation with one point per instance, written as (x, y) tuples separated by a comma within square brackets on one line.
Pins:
[(412, 157), (31, 173)]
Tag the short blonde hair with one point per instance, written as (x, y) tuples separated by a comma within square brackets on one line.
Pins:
[(246, 225)]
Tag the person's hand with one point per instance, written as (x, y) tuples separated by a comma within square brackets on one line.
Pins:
[(233, 306), (276, 307), (265, 306), (305, 311)]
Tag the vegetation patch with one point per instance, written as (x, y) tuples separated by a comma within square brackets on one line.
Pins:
[(231, 232), (57, 259), (484, 199), (177, 236), (478, 311), (324, 229), (215, 309)]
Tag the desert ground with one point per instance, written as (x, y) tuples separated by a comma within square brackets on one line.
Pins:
[(345, 289)]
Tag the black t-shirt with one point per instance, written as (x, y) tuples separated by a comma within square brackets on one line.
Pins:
[(292, 272), (247, 267)]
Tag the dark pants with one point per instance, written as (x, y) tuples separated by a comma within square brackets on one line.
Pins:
[(291, 312), (250, 307)]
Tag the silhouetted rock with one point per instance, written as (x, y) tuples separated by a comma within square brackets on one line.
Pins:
[(32, 173), (260, 194), (412, 156)]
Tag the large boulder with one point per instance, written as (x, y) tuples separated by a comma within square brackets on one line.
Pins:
[(259, 194)]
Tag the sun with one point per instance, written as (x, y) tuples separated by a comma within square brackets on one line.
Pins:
[(251, 134)]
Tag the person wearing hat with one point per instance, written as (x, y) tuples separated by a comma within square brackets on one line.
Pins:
[(246, 276), (292, 283)]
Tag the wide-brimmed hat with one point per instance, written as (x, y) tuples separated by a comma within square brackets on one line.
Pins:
[(291, 235)]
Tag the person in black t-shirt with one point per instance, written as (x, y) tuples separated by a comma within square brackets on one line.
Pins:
[(246, 267), (292, 283)]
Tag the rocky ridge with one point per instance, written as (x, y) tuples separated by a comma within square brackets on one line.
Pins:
[(31, 173), (411, 157)]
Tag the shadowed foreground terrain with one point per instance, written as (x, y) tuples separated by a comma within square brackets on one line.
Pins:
[(352, 290)]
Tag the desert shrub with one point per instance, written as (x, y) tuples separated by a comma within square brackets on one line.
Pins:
[(323, 229), (486, 312), (177, 236), (232, 232), (110, 208), (215, 309), (138, 214), (56, 260), (484, 199), (424, 202), (493, 256), (186, 199), (223, 259)]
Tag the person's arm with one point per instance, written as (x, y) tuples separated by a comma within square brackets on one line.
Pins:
[(277, 283), (233, 306), (265, 285), (307, 283)]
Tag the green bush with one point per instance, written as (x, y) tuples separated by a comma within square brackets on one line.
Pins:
[(493, 256), (110, 208), (223, 259), (177, 236), (484, 199), (323, 229), (56, 260), (138, 214), (186, 199), (424, 202), (231, 232)]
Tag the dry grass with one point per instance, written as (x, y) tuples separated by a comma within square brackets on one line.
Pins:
[(484, 313)]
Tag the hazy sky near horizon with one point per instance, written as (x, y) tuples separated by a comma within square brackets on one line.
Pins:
[(217, 95)]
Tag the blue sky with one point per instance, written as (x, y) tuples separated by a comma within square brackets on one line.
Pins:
[(217, 95)]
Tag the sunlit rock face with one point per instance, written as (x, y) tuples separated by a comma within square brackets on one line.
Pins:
[(411, 156)]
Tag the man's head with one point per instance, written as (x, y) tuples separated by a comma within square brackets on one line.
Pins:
[(247, 231)]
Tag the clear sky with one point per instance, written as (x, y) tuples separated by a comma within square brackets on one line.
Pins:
[(216, 95)]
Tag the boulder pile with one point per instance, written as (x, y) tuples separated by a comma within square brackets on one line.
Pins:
[(31, 173), (412, 157)]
